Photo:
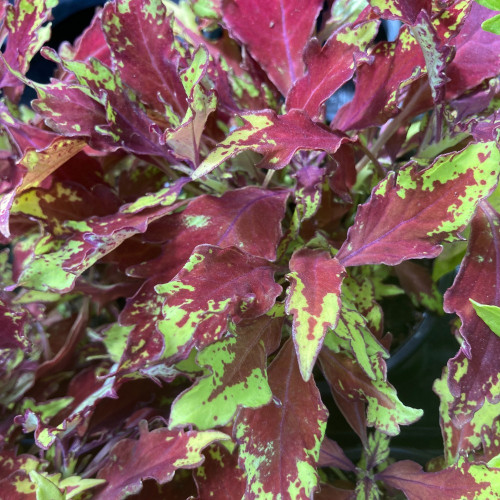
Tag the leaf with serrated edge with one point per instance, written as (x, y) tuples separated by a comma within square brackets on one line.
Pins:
[(313, 299), (473, 372), (277, 137), (93, 238), (380, 86), (280, 443), (248, 218), (156, 454), (411, 212), (215, 284), (275, 33), (329, 66), (237, 377), (27, 30), (463, 480), (479, 435), (346, 379), (402, 10), (141, 40)]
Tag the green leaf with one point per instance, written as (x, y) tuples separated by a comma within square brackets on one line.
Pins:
[(481, 433), (353, 335), (236, 377), (490, 4), (489, 314), (46, 489), (492, 25)]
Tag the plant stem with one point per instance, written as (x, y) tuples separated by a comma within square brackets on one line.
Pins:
[(269, 176), (391, 129)]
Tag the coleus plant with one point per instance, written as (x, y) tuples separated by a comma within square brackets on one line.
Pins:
[(192, 245)]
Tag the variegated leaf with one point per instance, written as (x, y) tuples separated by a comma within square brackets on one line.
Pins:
[(313, 299), (420, 209)]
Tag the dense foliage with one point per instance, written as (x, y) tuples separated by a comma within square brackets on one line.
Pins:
[(192, 244)]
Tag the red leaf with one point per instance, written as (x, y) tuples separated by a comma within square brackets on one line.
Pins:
[(248, 218), (464, 480), (329, 492), (332, 455), (275, 32), (24, 27), (352, 386), (411, 212), (329, 66), (402, 10), (141, 40), (477, 55), (215, 284), (279, 443), (474, 370), (93, 238), (313, 299), (277, 137), (91, 43), (220, 477), (381, 84), (156, 455)]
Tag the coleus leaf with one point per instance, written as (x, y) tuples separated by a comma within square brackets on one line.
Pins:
[(236, 377), (142, 44), (93, 238), (489, 314), (330, 66), (328, 492), (220, 476), (492, 24), (26, 27), (36, 417), (476, 58), (13, 324), (248, 218), (308, 191), (402, 10), (277, 137), (463, 480), (275, 33), (352, 334), (418, 284), (437, 56), (215, 284), (395, 224), (313, 299), (91, 43), (14, 475), (479, 435), (186, 138), (67, 201), (40, 163), (376, 451), (473, 373), (381, 84), (349, 382), (53, 487), (280, 443), (155, 455), (332, 455), (114, 116)]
